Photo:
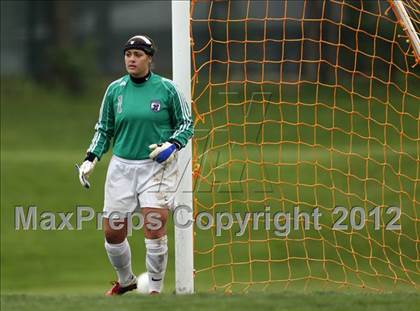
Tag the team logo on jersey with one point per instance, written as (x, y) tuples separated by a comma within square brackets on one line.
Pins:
[(155, 105), (119, 105)]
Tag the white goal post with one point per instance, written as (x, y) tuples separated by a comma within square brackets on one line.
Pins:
[(402, 15), (181, 75)]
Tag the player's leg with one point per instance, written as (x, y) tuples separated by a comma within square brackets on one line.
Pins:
[(118, 250), (120, 202), (156, 197), (156, 243)]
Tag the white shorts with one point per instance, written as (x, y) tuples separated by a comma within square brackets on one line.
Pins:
[(133, 184)]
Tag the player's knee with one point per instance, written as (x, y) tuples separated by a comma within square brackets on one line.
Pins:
[(114, 232), (155, 228), (154, 233), (114, 236)]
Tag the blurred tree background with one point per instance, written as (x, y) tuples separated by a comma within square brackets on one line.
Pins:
[(72, 44)]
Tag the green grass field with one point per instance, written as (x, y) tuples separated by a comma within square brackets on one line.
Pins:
[(44, 134), (281, 301)]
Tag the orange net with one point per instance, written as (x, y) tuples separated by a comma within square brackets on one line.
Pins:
[(305, 107)]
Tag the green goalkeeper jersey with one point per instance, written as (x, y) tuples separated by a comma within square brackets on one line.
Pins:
[(136, 115)]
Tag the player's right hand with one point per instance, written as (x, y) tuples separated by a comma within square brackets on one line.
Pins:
[(86, 169)]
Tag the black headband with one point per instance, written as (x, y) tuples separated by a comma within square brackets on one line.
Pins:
[(139, 43)]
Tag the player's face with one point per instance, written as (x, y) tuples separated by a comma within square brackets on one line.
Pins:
[(137, 62)]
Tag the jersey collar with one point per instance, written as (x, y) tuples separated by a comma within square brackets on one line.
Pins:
[(139, 81)]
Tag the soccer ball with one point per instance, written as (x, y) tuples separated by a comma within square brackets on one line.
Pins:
[(143, 283)]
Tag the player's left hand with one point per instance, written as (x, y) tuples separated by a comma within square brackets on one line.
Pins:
[(163, 153)]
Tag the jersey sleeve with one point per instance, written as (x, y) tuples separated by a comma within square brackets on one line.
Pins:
[(104, 128), (182, 118)]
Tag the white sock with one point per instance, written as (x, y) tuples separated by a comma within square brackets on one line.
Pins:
[(120, 257), (156, 261)]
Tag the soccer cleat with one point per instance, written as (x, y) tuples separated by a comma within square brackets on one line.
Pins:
[(117, 289)]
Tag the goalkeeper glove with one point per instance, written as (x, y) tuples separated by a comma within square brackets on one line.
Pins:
[(163, 153), (86, 169)]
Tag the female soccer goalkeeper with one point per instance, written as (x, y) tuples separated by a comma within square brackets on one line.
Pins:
[(148, 120)]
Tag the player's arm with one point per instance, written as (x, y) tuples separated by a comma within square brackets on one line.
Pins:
[(104, 131), (182, 119)]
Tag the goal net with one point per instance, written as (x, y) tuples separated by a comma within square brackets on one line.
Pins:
[(305, 107)]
